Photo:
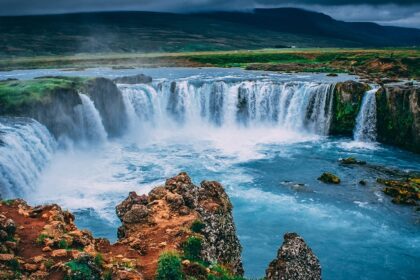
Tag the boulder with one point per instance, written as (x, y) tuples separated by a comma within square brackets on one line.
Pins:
[(329, 178), (137, 214), (352, 160), (295, 261), (136, 79)]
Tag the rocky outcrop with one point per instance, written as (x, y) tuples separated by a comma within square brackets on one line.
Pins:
[(295, 261), (398, 114), (346, 104), (151, 224), (329, 178), (109, 102), (44, 243), (136, 79), (406, 191)]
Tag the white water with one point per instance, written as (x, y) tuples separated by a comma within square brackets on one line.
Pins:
[(294, 106), (26, 146), (365, 130), (90, 122), (272, 138)]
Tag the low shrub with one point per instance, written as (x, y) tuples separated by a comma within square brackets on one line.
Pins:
[(197, 226), (169, 267), (192, 248)]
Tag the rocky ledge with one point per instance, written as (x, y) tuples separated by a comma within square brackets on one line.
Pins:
[(177, 231)]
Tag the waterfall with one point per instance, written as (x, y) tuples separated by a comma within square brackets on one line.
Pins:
[(300, 106), (365, 130), (89, 121), (25, 149)]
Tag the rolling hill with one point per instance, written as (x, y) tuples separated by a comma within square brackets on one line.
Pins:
[(167, 32)]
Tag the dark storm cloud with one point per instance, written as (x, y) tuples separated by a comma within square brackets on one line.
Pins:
[(389, 12)]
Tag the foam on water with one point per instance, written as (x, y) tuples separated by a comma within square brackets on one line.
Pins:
[(251, 134)]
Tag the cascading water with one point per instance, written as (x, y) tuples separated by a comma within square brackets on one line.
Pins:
[(300, 106), (25, 148), (90, 122), (365, 130)]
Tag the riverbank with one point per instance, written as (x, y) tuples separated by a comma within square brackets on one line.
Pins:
[(374, 64)]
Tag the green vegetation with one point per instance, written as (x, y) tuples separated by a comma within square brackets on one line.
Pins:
[(99, 260), (8, 202), (192, 248), (218, 272), (40, 240), (80, 269), (48, 263), (15, 93), (197, 226), (397, 62), (169, 267), (63, 244)]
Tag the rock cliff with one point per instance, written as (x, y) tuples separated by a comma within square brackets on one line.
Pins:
[(398, 109), (295, 261), (346, 104), (176, 214)]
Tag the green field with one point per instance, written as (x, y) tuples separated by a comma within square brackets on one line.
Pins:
[(392, 63)]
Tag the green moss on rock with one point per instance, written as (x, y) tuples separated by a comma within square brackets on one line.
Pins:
[(16, 94), (398, 116), (329, 178), (346, 104)]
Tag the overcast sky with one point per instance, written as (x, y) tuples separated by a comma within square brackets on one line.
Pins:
[(401, 13)]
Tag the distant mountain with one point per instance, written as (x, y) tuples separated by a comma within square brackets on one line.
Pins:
[(300, 21), (151, 32)]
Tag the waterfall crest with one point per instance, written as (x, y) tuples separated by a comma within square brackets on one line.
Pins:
[(300, 106), (25, 148), (365, 130)]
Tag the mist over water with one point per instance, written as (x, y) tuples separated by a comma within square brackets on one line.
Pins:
[(265, 139)]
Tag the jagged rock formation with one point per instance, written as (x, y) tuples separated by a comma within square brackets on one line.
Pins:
[(347, 101), (295, 261), (398, 108), (158, 222)]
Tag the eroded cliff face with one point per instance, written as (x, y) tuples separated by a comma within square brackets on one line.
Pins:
[(398, 114), (165, 218), (109, 102), (346, 105)]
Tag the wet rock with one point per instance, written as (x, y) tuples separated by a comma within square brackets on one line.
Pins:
[(398, 115), (136, 79), (109, 102), (362, 182), (329, 178), (405, 192), (347, 100), (352, 160), (295, 261)]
